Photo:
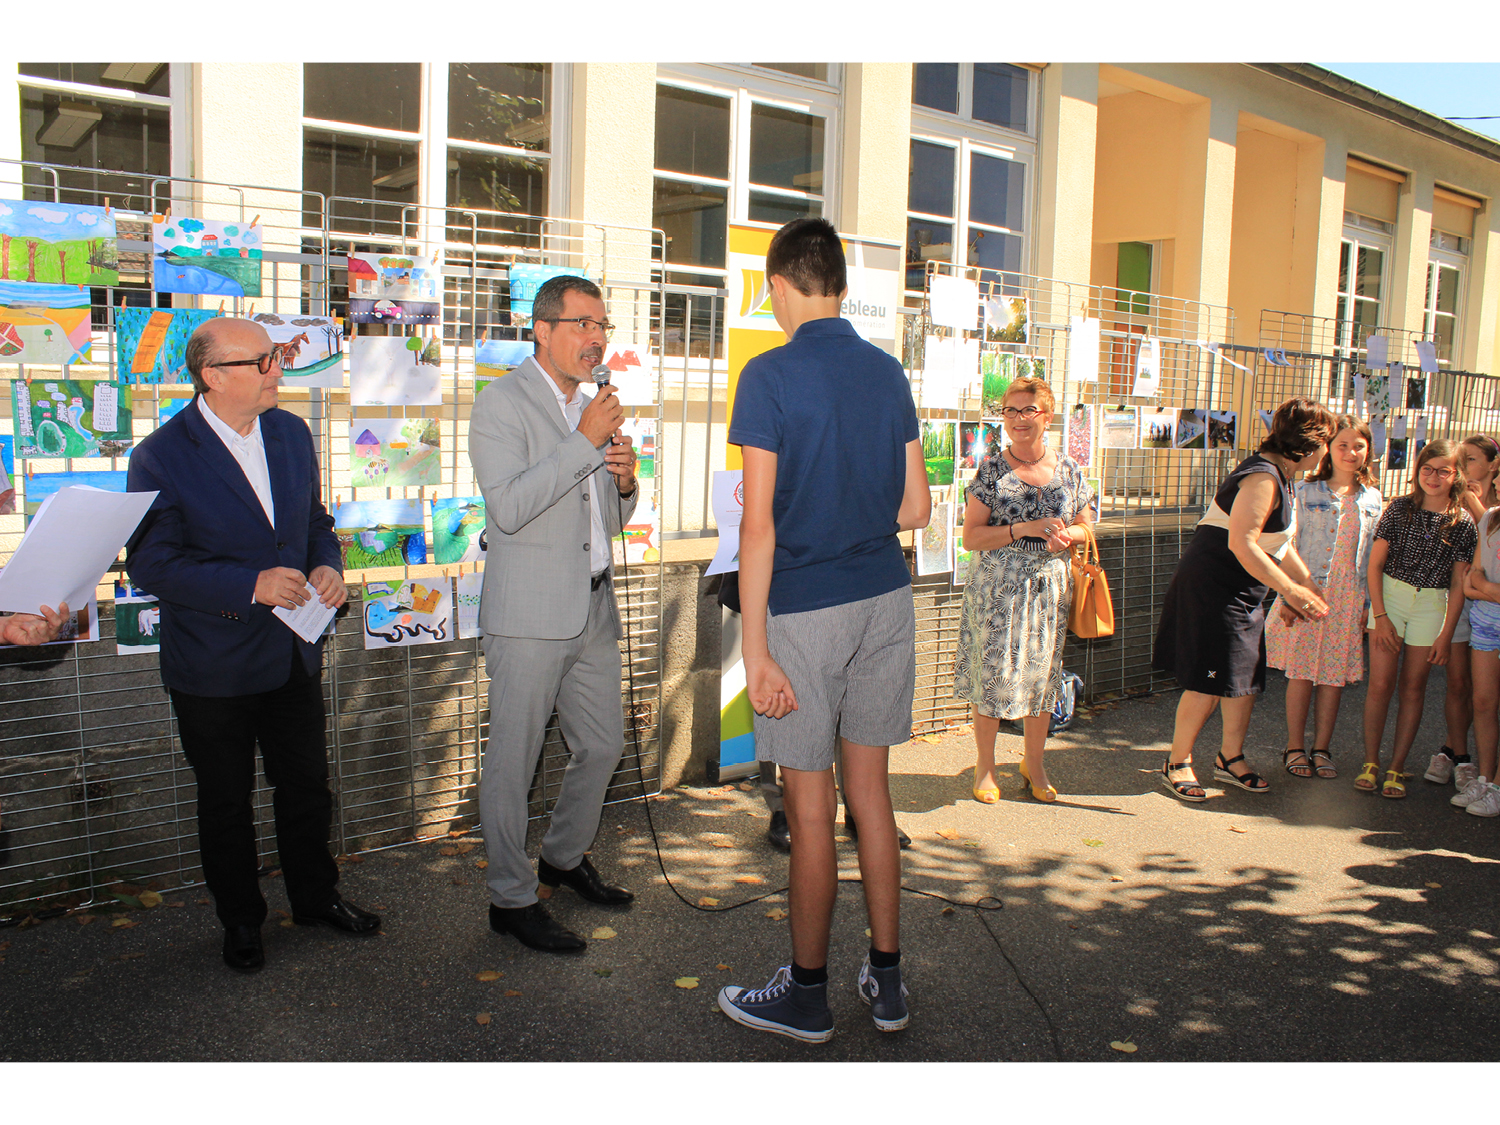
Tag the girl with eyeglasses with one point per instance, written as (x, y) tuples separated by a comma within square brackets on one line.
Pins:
[(1479, 458), (1421, 554)]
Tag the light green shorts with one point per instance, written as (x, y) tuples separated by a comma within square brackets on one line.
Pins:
[(1417, 614)]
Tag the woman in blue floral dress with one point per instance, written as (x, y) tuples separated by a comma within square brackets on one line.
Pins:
[(1025, 509)]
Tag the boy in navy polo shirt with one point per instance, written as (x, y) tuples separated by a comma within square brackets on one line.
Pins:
[(833, 470)]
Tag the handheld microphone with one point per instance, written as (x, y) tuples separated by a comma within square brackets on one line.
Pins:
[(600, 375)]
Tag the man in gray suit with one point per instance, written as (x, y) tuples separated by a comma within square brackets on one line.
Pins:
[(559, 482)]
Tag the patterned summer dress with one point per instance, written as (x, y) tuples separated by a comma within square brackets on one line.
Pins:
[(1014, 622), (1328, 651)]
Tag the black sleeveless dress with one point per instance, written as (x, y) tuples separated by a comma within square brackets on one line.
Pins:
[(1212, 634)]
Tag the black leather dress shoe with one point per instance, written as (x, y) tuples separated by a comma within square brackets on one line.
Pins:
[(242, 949), (532, 926), (583, 879), (341, 915), (780, 833), (851, 829)]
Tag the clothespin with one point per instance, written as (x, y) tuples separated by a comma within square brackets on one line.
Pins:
[(221, 308), (30, 472), (122, 297), (253, 222), (107, 209), (338, 499), (251, 314)]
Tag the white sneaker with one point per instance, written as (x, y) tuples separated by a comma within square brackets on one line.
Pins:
[(1464, 773), (1489, 804), (1469, 793), (1440, 769)]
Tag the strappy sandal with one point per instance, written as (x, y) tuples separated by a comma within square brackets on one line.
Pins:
[(1368, 773), (1325, 771), (1305, 765), (1395, 784), (1182, 790), (1249, 781)]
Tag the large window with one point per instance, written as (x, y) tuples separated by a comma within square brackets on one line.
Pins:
[(1447, 260), (994, 93), (499, 136), (1363, 255)]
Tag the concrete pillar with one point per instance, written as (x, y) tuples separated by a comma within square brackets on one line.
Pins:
[(1330, 230), (1405, 306), (611, 153), (1480, 339), (1306, 212), (1067, 141), (876, 152), (1206, 204), (10, 133)]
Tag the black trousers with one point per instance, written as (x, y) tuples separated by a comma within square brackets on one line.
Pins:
[(219, 736)]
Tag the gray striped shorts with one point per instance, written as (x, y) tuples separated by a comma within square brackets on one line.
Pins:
[(853, 668)]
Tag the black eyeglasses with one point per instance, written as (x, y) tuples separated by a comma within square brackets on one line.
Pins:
[(585, 323), (275, 355)]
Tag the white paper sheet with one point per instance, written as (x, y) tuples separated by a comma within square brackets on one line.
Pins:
[(1426, 356), (75, 535), (954, 302), (940, 373), (1375, 352), (1377, 439), (1398, 427), (1421, 434), (729, 510), (1147, 368), (1083, 349), (310, 618), (106, 408)]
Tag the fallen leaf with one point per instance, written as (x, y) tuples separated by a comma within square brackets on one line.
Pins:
[(706, 901), (686, 982), (1434, 886), (1093, 843), (776, 914), (150, 899), (1236, 828), (722, 967), (482, 1019), (128, 900), (722, 843), (971, 844), (1124, 1046), (867, 933), (123, 923), (287, 923), (465, 849), (946, 910), (85, 919), (603, 972), (512, 992), (947, 834), (603, 933), (447, 851), (1117, 878), (458, 833), (748, 879), (930, 738), (205, 902), (488, 974)]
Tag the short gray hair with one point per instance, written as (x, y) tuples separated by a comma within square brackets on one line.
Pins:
[(548, 304), (202, 351)]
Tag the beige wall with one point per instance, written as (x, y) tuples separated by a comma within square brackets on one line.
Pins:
[(613, 143), (1066, 152), (876, 150)]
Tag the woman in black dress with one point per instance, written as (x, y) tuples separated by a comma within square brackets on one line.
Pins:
[(1212, 631)]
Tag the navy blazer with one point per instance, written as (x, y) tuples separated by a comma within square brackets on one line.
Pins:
[(206, 539)]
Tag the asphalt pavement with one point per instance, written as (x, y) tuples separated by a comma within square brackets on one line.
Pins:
[(1313, 922)]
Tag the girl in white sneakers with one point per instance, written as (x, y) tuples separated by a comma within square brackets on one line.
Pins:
[(1481, 796)]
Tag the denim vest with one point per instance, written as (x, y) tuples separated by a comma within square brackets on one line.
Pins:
[(1318, 508)]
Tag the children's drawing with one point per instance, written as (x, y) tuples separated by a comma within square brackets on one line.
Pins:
[(458, 527), (495, 358), (1006, 318), (1378, 393), (937, 450), (997, 371), (393, 289), (205, 256), (632, 370), (151, 344), (1222, 427), (935, 543), (1192, 430), (7, 473), (394, 371), (380, 533), (1078, 434), (44, 323), (1158, 427), (57, 244), (169, 407), (974, 441), (312, 348), (415, 612), (79, 627), (68, 418), (526, 279), (1096, 490), (642, 431), (137, 621), (1117, 427), (466, 597), (640, 542), (38, 486), (394, 452)]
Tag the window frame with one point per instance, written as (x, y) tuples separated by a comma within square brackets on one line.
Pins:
[(1459, 262), (1361, 232), (965, 112)]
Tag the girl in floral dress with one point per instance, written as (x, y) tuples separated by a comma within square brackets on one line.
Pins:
[(1338, 506)]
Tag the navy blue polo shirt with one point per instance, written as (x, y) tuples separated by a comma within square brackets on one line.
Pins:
[(838, 413)]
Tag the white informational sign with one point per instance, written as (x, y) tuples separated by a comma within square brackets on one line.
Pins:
[(954, 302), (1083, 349), (729, 510), (70, 542), (873, 302), (1375, 352), (1147, 368)]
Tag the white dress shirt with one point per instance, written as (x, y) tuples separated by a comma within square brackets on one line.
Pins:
[(250, 452), (598, 538)]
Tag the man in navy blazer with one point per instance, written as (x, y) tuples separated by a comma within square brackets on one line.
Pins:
[(237, 529)]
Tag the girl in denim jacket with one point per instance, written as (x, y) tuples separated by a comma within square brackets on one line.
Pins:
[(1338, 506)]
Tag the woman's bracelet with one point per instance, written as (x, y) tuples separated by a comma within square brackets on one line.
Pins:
[(1382, 615)]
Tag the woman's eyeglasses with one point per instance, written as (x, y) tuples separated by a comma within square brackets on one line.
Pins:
[(1024, 412)]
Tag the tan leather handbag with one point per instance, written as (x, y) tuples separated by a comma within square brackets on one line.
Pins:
[(1093, 611)]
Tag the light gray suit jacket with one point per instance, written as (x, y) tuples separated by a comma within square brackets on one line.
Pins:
[(534, 475)]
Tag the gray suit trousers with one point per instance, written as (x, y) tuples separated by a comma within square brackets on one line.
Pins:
[(580, 677)]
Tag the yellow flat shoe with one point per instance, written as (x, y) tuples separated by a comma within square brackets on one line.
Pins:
[(1367, 776), (1048, 794), (987, 796)]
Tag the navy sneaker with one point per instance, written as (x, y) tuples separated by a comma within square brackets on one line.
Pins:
[(784, 1007), (883, 991)]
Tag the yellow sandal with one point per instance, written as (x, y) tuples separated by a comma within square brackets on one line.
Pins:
[(1368, 773), (1394, 786), (987, 796)]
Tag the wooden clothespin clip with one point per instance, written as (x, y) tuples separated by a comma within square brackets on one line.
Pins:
[(251, 314), (221, 308), (254, 221), (107, 209), (122, 297)]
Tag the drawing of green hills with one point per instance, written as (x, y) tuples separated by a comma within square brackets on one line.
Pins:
[(79, 261)]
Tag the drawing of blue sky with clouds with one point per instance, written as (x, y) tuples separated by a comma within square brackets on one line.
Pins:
[(54, 222)]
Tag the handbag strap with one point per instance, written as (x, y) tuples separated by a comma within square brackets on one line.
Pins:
[(1089, 544)]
